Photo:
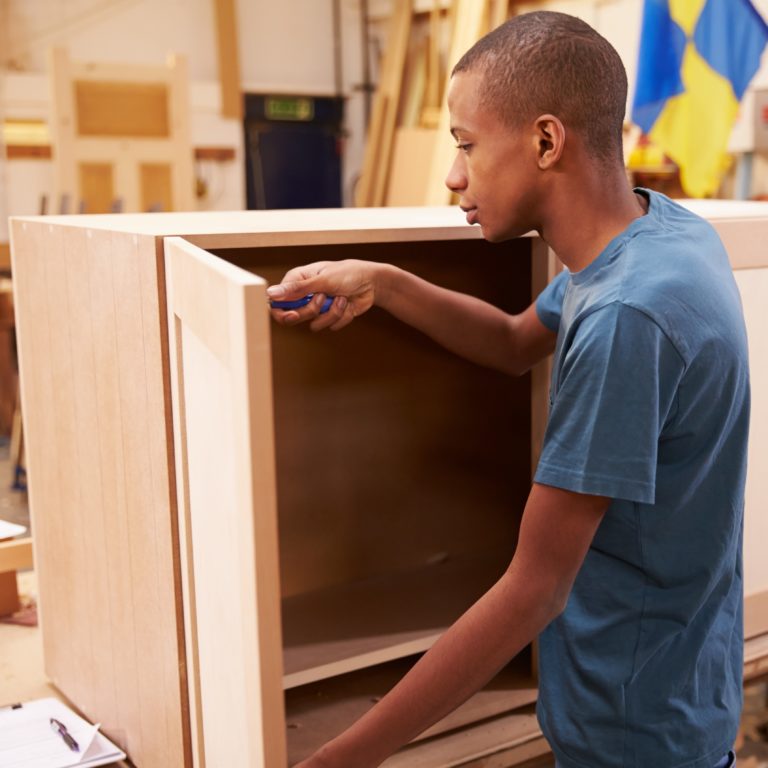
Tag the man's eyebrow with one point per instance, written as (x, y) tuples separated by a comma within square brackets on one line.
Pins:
[(456, 128)]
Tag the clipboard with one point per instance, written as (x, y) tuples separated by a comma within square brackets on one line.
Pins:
[(28, 741)]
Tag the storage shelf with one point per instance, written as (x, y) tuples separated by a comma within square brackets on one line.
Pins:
[(350, 626), (316, 713)]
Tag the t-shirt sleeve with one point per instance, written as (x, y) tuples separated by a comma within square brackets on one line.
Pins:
[(549, 304), (614, 393)]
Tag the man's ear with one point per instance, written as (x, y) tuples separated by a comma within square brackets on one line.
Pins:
[(550, 138)]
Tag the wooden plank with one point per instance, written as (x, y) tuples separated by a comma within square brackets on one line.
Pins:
[(498, 13), (28, 151), (105, 567), (37, 398), (411, 159), (516, 734), (16, 555), (753, 286), (227, 48), (378, 147), (145, 538), (755, 613), (124, 109), (62, 127), (97, 187), (379, 619), (156, 184), (397, 51), (316, 713), (112, 523), (469, 26), (226, 486)]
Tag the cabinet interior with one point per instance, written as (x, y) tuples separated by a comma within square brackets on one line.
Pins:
[(402, 471)]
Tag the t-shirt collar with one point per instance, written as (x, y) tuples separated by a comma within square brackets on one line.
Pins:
[(616, 245)]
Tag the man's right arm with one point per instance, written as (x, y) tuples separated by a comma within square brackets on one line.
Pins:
[(463, 324)]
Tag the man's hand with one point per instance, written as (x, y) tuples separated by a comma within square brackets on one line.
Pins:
[(351, 282)]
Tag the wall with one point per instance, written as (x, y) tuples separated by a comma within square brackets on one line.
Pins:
[(285, 47)]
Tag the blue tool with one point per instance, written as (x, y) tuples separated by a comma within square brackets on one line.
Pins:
[(302, 302)]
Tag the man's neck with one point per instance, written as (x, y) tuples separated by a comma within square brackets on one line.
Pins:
[(587, 217)]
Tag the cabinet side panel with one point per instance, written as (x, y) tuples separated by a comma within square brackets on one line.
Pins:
[(753, 284), (95, 415), (43, 403)]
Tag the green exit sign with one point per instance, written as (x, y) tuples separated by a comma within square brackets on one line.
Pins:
[(289, 108)]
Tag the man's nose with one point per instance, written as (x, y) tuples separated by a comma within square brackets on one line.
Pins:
[(456, 180)]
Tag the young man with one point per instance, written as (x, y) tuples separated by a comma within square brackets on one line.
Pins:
[(628, 562)]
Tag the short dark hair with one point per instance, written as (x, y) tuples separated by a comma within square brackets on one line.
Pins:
[(546, 62)]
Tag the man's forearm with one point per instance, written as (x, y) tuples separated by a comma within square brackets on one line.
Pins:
[(471, 328), (466, 657)]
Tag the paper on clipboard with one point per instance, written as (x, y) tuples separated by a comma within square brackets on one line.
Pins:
[(28, 741)]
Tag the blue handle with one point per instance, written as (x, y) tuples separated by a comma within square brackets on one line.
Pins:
[(302, 302)]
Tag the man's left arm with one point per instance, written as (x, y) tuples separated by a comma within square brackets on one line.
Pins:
[(556, 530)]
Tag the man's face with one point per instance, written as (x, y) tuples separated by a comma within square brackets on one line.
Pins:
[(495, 172)]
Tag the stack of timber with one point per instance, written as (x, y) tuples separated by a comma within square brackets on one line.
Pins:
[(409, 149)]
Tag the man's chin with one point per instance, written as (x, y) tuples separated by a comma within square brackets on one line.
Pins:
[(501, 236)]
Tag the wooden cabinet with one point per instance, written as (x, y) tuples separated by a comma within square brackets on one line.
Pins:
[(245, 533)]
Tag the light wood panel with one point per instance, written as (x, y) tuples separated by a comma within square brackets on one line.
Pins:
[(97, 187), (156, 181), (753, 285), (470, 24), (411, 163), (89, 329), (514, 737), (378, 148), (227, 48), (220, 350), (136, 110), (360, 624), (15, 555), (316, 713)]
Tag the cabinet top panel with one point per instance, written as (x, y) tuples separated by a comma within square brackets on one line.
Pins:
[(446, 222), (743, 226)]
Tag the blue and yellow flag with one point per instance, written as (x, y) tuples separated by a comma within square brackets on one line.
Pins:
[(696, 60)]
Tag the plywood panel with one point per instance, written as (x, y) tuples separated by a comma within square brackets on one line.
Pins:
[(96, 187), (316, 713), (156, 182), (226, 485), (15, 555), (125, 109), (96, 422), (444, 444), (753, 285), (411, 164), (229, 59)]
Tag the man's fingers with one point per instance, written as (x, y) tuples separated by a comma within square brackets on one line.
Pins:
[(291, 290), (332, 316)]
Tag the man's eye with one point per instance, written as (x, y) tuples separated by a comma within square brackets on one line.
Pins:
[(464, 147)]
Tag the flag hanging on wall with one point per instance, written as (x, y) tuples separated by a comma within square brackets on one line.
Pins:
[(697, 58)]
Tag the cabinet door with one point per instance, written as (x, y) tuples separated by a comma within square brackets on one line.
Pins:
[(225, 476)]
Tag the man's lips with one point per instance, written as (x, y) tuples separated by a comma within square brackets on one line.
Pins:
[(471, 214)]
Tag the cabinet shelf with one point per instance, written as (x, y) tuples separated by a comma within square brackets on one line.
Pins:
[(350, 626), (316, 713)]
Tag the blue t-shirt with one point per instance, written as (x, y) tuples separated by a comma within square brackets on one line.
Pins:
[(649, 405)]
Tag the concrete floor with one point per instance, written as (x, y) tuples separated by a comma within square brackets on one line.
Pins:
[(21, 651)]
